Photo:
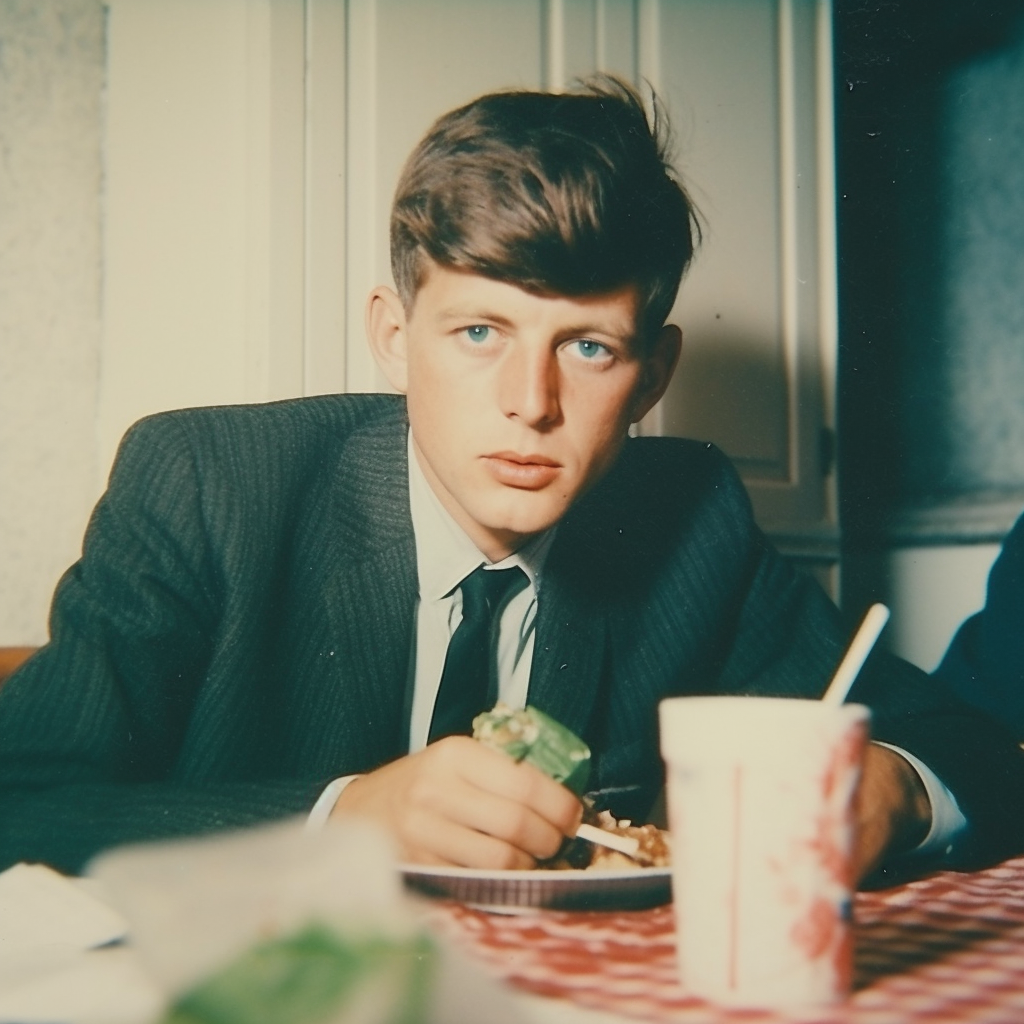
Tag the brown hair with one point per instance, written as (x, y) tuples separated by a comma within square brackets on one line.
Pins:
[(566, 194)]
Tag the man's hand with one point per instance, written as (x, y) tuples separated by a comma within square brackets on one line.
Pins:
[(893, 812), (457, 802)]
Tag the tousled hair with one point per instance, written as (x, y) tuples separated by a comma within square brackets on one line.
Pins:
[(558, 193)]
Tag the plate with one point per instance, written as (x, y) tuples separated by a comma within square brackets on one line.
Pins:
[(544, 889)]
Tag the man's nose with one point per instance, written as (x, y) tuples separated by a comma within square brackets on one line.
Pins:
[(529, 387)]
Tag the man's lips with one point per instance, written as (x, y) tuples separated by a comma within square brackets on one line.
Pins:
[(528, 472)]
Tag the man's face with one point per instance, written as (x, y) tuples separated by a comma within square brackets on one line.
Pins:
[(518, 402)]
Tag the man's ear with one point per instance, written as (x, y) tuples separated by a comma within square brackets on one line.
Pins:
[(386, 332), (659, 365)]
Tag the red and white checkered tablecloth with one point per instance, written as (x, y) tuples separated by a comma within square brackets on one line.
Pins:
[(943, 950)]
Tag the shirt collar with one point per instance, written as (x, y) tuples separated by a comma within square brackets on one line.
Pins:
[(445, 555)]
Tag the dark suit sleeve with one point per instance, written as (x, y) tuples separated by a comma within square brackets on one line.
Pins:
[(790, 639), (95, 729), (985, 661), (776, 633), (699, 602)]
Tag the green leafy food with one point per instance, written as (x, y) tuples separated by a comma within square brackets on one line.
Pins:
[(316, 976), (532, 736)]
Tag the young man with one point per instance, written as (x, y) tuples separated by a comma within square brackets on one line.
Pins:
[(272, 608)]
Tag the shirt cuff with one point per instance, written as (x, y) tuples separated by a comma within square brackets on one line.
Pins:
[(948, 823), (325, 802)]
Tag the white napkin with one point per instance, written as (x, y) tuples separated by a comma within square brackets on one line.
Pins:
[(39, 907), (51, 966)]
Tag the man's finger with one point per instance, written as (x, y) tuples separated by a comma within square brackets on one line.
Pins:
[(430, 838), (514, 823), (518, 782)]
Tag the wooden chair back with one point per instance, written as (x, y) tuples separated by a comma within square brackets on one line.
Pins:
[(11, 658)]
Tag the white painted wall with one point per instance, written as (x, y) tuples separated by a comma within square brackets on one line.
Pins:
[(932, 590), (51, 82), (188, 296)]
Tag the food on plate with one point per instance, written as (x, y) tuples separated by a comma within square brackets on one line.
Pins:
[(654, 852), (532, 736)]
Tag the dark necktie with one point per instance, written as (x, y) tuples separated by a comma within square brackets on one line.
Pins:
[(465, 688)]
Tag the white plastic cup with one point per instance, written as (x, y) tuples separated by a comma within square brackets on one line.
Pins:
[(760, 804)]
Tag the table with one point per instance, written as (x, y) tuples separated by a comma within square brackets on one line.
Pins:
[(947, 948)]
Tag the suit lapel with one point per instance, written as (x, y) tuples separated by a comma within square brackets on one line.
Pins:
[(569, 651), (369, 584), (582, 590)]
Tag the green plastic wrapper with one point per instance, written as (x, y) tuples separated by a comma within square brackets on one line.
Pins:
[(316, 976), (532, 736)]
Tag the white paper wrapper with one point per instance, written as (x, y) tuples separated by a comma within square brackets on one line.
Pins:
[(760, 808), (55, 964), (194, 907)]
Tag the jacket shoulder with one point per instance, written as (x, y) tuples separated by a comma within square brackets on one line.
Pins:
[(287, 439), (659, 477), (665, 498), (282, 424), (253, 467)]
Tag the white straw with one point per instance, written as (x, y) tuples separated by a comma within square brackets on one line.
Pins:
[(628, 845), (860, 648)]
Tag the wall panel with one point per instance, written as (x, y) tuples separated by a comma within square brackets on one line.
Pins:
[(758, 308)]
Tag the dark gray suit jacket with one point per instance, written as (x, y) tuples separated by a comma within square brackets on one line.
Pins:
[(238, 632)]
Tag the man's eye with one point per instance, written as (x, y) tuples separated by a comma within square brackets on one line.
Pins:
[(478, 333), (591, 350)]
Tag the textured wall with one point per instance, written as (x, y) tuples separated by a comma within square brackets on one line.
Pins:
[(51, 82), (930, 126), (931, 130), (969, 431)]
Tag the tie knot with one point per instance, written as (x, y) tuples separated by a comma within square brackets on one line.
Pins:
[(485, 590)]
